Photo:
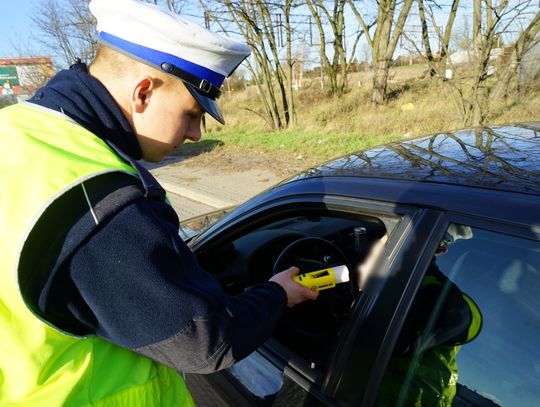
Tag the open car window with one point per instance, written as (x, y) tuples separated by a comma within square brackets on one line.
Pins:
[(307, 334)]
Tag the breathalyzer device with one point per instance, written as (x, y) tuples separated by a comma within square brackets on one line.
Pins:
[(323, 279)]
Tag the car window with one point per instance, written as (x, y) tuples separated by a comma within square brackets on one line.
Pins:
[(289, 369), (472, 334), (310, 330)]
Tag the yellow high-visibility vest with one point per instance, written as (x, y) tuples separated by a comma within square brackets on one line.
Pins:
[(45, 154)]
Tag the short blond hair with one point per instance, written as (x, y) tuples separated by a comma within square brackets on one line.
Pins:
[(114, 63)]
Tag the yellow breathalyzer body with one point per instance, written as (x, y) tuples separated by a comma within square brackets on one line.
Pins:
[(323, 279)]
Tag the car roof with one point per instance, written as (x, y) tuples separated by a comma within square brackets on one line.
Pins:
[(505, 158)]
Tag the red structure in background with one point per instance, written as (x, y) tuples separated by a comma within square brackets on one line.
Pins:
[(20, 76)]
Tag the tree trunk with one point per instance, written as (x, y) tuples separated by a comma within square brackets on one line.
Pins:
[(380, 81), (289, 64), (477, 26), (385, 42), (425, 38), (337, 69), (446, 38)]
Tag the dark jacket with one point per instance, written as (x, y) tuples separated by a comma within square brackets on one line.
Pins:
[(131, 280)]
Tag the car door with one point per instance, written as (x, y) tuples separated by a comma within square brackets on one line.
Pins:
[(278, 374), (466, 328)]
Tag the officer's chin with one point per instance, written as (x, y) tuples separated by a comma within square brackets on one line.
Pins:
[(156, 155), (153, 158), (154, 151)]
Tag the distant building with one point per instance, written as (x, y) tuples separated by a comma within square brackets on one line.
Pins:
[(466, 57), (20, 77)]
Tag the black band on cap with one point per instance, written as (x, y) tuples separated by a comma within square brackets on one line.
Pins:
[(202, 85)]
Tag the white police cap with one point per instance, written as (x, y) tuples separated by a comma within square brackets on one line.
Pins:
[(168, 42)]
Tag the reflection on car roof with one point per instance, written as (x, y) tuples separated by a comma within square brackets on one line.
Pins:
[(503, 158)]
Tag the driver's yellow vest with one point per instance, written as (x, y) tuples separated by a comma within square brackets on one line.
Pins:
[(45, 154)]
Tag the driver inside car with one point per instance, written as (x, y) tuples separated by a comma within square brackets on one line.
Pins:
[(423, 367)]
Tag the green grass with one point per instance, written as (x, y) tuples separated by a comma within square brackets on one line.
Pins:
[(315, 145)]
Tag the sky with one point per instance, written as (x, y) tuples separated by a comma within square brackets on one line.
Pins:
[(16, 36), (15, 29)]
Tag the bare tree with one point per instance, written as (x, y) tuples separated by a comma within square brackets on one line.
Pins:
[(176, 6), (472, 93), (437, 64), (443, 36), (289, 63), (527, 39), (490, 21), (425, 36), (266, 27), (332, 14), (384, 41), (68, 30)]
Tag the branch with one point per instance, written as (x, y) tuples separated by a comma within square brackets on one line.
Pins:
[(398, 30), (362, 23)]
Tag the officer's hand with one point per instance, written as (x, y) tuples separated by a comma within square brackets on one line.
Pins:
[(296, 293)]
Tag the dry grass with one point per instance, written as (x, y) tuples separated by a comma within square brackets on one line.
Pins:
[(328, 126)]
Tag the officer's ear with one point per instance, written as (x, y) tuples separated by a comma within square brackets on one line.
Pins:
[(141, 94)]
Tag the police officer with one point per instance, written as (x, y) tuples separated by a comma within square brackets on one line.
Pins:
[(101, 303), (423, 369)]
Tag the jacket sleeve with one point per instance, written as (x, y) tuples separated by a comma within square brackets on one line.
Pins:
[(139, 286)]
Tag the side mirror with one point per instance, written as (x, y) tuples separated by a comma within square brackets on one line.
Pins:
[(195, 226)]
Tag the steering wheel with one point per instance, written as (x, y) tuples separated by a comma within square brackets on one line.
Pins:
[(319, 318)]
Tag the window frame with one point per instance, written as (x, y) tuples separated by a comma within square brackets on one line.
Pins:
[(495, 225), (381, 311)]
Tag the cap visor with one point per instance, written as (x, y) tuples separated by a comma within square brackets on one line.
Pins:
[(210, 106)]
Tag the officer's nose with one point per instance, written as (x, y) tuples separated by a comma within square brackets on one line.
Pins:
[(194, 130)]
